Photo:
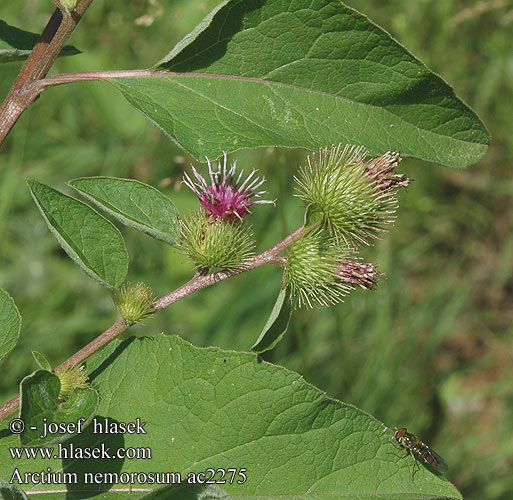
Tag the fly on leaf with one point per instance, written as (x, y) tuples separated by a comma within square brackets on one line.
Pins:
[(419, 450)]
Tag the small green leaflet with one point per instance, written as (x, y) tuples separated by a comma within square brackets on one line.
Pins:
[(41, 361), (16, 44), (134, 204), (10, 324), (277, 324), (88, 238)]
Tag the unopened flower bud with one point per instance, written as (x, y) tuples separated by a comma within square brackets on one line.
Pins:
[(134, 302), (71, 378), (214, 244), (312, 271)]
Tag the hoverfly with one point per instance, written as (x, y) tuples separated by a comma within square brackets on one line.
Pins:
[(419, 450)]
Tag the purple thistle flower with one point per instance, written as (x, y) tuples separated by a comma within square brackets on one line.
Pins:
[(362, 274), (226, 197), (381, 171)]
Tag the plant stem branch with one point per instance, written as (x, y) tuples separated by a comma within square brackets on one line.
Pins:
[(56, 33), (112, 332), (199, 281)]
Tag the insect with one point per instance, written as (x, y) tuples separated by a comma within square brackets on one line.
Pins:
[(419, 450)]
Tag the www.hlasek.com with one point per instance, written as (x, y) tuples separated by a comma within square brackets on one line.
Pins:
[(104, 426), (71, 452)]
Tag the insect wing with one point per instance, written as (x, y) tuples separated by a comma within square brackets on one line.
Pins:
[(429, 456), (439, 463)]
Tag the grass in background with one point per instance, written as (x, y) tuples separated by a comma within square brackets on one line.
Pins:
[(431, 349)]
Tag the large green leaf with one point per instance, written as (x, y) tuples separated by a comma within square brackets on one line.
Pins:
[(87, 237), (10, 324), (188, 492), (17, 44), (302, 73), (133, 203), (204, 407)]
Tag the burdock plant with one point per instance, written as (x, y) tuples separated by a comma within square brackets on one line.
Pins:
[(266, 73), (312, 270)]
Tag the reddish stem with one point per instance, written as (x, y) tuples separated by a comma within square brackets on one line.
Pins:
[(199, 281), (55, 35)]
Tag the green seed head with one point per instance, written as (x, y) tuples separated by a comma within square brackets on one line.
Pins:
[(71, 378), (340, 194), (215, 244), (134, 302), (312, 270)]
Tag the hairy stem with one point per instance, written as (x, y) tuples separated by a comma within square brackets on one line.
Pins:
[(53, 38), (199, 281)]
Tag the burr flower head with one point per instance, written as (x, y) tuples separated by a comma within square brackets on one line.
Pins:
[(353, 199), (226, 197), (312, 271)]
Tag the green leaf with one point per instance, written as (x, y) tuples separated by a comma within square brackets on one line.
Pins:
[(41, 361), (277, 323), (188, 492), (302, 74), (16, 44), (87, 237), (11, 492), (133, 203), (39, 405), (10, 324), (205, 407)]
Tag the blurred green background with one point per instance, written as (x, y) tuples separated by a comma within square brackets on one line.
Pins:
[(431, 349)]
